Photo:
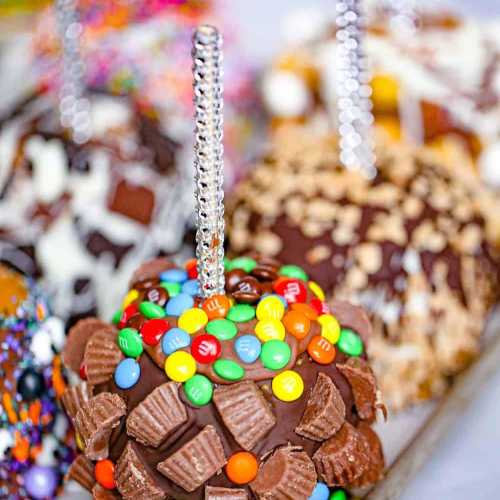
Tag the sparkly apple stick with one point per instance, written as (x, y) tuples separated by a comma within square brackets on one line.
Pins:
[(353, 91), (209, 160), (74, 108)]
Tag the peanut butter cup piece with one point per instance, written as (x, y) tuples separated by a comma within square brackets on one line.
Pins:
[(362, 380), (102, 355), (75, 397), (375, 470), (216, 493), (245, 412), (78, 337), (157, 416), (95, 420), (288, 472), (325, 411), (100, 493), (343, 458), (353, 317), (151, 269), (196, 462), (82, 471), (133, 481)]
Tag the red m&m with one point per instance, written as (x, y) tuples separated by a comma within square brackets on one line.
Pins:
[(128, 312), (153, 330), (205, 348), (292, 289), (319, 306)]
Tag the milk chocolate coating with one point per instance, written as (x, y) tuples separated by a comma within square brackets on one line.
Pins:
[(275, 429)]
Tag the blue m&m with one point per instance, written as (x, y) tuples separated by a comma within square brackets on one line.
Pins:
[(191, 287), (320, 492), (174, 275), (178, 304), (175, 339), (248, 348), (127, 373)]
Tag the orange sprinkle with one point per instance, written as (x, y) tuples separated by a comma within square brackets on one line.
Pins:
[(35, 451), (7, 404), (57, 378), (23, 413), (21, 450), (34, 412)]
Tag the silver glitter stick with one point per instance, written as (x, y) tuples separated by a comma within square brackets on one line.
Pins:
[(74, 108), (209, 159), (355, 118)]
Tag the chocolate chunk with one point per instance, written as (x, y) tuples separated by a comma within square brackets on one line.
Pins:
[(78, 337), (364, 386), (133, 480), (245, 412), (98, 245), (157, 416), (156, 295), (74, 398), (288, 472), (102, 355), (343, 458), (196, 462), (325, 411), (100, 493), (375, 469), (82, 471), (353, 317), (151, 269), (216, 493), (96, 419), (133, 201)]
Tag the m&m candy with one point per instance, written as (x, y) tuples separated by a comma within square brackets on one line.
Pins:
[(228, 369), (292, 289), (104, 472), (127, 373), (191, 287), (192, 320), (306, 310), (320, 492), (316, 290), (174, 275), (191, 267), (130, 342), (216, 306), (129, 298), (350, 342), (153, 330), (151, 310), (172, 288), (320, 306), (288, 386), (321, 350), (270, 329), (292, 271), (199, 390), (330, 328), (275, 354), (180, 366), (270, 307), (338, 495), (175, 339), (297, 323), (246, 263), (128, 312), (178, 304), (205, 348), (248, 348), (223, 329), (241, 313), (242, 467)]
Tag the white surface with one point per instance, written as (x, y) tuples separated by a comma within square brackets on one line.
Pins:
[(466, 464)]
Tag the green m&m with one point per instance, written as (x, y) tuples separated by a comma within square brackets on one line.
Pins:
[(117, 317), (246, 263), (199, 390), (275, 354), (228, 369), (338, 495), (222, 329), (291, 271), (172, 288), (241, 313), (130, 342), (350, 342), (151, 310)]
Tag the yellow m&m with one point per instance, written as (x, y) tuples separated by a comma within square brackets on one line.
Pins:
[(288, 386), (180, 366), (330, 328), (129, 298), (317, 290), (270, 329), (192, 320), (270, 308)]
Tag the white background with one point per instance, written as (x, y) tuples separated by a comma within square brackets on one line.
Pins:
[(466, 465)]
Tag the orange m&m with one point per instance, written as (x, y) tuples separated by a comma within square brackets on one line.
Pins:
[(297, 324), (242, 467), (105, 474), (320, 350), (305, 309), (216, 306)]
